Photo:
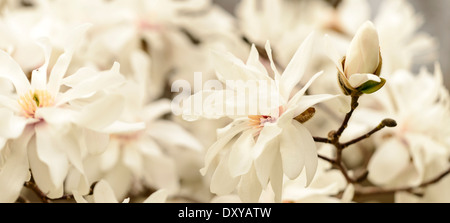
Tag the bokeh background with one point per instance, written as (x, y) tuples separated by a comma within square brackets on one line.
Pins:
[(436, 23)]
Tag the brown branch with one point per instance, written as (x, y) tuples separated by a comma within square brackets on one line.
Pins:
[(322, 140), (33, 187), (384, 123), (354, 104)]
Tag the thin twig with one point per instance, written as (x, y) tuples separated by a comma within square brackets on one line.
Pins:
[(384, 123), (354, 104)]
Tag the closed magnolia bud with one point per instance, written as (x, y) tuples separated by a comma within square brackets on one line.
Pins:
[(363, 55), (360, 69)]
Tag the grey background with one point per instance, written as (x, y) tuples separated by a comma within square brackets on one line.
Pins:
[(437, 24)]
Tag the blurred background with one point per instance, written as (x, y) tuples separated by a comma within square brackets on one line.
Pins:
[(436, 20)]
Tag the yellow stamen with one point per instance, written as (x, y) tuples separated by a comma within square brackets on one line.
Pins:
[(33, 99)]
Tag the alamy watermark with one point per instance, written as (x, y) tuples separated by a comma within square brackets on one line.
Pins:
[(214, 98)]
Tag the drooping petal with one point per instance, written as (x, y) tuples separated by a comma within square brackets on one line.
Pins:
[(15, 171), (48, 162), (241, 158), (291, 143), (249, 188), (264, 162), (308, 150), (297, 66), (10, 70)]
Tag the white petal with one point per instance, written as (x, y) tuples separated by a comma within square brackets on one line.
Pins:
[(310, 100), (96, 142), (249, 188), (10, 70), (101, 113), (222, 182), (297, 66), (363, 53), (241, 158), (49, 164), (221, 142), (297, 96), (253, 61), (272, 63), (357, 80), (15, 171), (160, 196), (276, 178), (229, 67), (309, 151), (268, 133), (389, 160), (103, 193), (103, 80), (11, 126), (39, 76), (61, 65), (264, 162), (291, 143)]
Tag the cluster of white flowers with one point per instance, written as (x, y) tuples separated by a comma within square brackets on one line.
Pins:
[(91, 109)]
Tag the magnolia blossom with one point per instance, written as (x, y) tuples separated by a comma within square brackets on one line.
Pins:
[(417, 149), (48, 128), (255, 150), (150, 157)]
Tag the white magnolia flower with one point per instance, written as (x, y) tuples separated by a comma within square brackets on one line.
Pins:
[(158, 156), (103, 193), (55, 122), (417, 149), (255, 150)]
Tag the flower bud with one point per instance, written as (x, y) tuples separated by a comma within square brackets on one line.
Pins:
[(363, 55), (361, 67)]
